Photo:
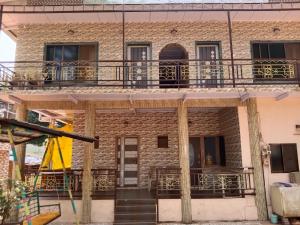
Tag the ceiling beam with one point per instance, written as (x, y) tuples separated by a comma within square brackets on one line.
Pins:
[(15, 99), (137, 104)]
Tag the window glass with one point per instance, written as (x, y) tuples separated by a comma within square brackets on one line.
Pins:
[(222, 151), (50, 53), (264, 51), (256, 51), (210, 151), (277, 51), (70, 53), (284, 158), (87, 52), (276, 158), (162, 141), (58, 53), (290, 158)]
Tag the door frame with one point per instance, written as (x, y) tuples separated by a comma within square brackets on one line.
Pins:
[(148, 45), (138, 158), (218, 45)]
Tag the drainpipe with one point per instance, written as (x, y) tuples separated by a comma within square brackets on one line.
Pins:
[(231, 47)]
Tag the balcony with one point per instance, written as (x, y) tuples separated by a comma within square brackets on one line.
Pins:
[(149, 74)]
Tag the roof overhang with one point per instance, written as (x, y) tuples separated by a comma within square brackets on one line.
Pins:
[(13, 16)]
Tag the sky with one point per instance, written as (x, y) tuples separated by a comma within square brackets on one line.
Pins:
[(7, 48)]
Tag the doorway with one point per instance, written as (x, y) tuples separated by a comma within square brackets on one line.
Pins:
[(173, 67), (127, 159), (209, 65), (137, 68)]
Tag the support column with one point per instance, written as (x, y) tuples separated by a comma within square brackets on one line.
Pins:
[(21, 114), (183, 141), (90, 116), (254, 137)]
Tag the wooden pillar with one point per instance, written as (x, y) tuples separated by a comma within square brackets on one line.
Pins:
[(183, 141), (21, 115), (254, 138), (90, 116)]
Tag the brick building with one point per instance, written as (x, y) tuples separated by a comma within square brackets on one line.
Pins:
[(185, 100)]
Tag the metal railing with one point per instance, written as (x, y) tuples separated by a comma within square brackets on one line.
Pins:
[(236, 182), (149, 73), (53, 183), (206, 182)]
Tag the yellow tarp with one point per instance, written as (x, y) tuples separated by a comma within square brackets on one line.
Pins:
[(52, 158)]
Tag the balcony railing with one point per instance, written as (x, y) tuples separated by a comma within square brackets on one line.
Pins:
[(51, 183), (206, 182), (150, 74)]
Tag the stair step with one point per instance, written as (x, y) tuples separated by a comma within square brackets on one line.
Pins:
[(127, 217), (134, 223), (122, 202), (135, 209)]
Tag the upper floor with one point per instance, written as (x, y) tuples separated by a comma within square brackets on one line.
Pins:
[(153, 46)]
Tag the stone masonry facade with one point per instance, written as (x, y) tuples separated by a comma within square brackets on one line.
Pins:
[(4, 162), (147, 126), (108, 36)]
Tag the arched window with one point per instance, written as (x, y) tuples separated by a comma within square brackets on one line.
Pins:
[(173, 66)]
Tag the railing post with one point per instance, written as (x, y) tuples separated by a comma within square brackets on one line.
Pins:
[(231, 47)]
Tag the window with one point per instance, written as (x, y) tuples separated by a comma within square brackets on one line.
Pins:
[(162, 142), (214, 151), (274, 60), (71, 62), (97, 142), (284, 158)]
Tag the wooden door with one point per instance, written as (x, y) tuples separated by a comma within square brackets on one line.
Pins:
[(127, 161)]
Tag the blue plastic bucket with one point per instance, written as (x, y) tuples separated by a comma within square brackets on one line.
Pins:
[(274, 219)]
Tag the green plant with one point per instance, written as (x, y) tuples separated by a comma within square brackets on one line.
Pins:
[(10, 196)]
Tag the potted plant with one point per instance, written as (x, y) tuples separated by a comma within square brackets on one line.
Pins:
[(10, 196)]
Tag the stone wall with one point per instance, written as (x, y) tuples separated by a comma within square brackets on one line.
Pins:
[(4, 162), (54, 2), (147, 126), (32, 38), (229, 127)]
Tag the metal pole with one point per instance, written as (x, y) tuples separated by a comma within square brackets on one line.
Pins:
[(1, 14), (123, 44), (231, 47)]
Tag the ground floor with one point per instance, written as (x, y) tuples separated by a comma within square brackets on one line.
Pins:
[(185, 159)]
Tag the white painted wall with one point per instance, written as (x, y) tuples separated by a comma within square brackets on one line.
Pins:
[(102, 210), (244, 135), (277, 121), (227, 209)]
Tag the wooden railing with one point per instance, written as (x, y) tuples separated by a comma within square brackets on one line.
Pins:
[(149, 73), (206, 182), (52, 183)]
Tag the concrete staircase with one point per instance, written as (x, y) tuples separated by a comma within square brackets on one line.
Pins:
[(135, 207)]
